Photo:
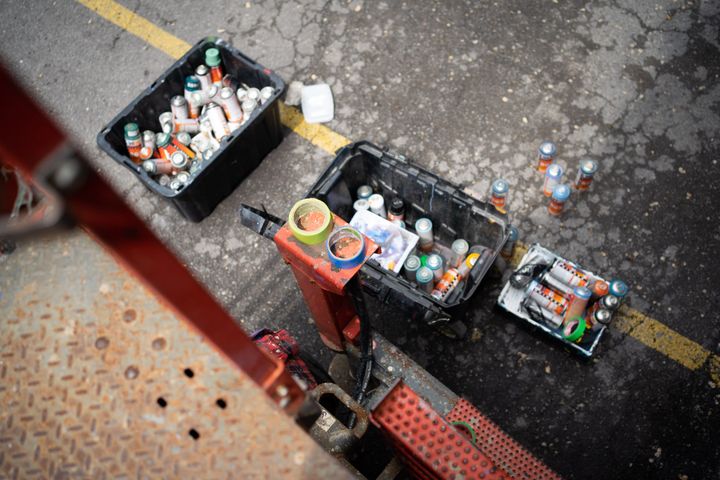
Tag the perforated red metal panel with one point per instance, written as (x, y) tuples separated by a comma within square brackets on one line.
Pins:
[(498, 446), (429, 444)]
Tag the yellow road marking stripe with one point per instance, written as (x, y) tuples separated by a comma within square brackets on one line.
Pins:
[(630, 321), (138, 26), (319, 135)]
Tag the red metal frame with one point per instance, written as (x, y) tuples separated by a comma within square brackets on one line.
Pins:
[(430, 445), (322, 285), (31, 142), (498, 446)]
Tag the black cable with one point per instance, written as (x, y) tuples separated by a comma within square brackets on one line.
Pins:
[(364, 368), (315, 367)]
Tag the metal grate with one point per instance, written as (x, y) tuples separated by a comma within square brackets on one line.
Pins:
[(499, 447), (99, 380), (429, 444)]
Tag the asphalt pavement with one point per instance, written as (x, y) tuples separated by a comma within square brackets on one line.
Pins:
[(467, 90)]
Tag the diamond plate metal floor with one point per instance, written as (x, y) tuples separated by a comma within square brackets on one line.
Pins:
[(99, 380)]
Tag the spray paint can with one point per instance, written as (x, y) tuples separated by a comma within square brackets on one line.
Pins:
[(241, 94), (361, 204), (364, 192), (157, 166), (435, 263), (189, 125), (411, 266), (509, 247), (248, 107), (600, 288), (164, 145), (569, 274), (266, 94), (619, 289), (559, 198), (599, 318), (578, 305), (453, 276), (498, 195), (166, 122), (424, 229), (254, 95), (231, 106), (145, 153), (547, 298), (546, 155), (586, 172), (148, 139), (397, 209), (548, 280), (202, 73), (192, 85), (183, 177), (458, 249), (218, 122), (424, 278), (553, 175), (133, 141), (212, 60), (179, 107), (179, 160), (183, 138), (377, 205)]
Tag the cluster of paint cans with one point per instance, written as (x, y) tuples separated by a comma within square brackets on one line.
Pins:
[(212, 106), (433, 268), (572, 300), (553, 186)]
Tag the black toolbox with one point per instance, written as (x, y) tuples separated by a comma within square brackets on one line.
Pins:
[(239, 154), (454, 215)]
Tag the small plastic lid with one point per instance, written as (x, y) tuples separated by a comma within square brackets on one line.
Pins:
[(212, 57), (554, 171), (434, 262), (412, 263), (192, 83), (513, 233), (500, 187), (397, 206), (201, 70), (423, 225), (131, 130), (561, 192), (424, 275), (588, 167), (582, 292), (547, 149), (603, 316)]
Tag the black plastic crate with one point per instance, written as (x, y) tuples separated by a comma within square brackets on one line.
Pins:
[(454, 215), (239, 154)]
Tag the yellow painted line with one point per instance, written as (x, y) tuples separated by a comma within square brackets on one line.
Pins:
[(646, 330), (138, 26), (319, 135), (655, 335)]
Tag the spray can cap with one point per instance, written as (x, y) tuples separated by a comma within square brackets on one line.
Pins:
[(192, 83), (212, 57), (547, 149), (513, 233), (561, 192), (132, 130), (424, 275), (434, 262), (500, 187), (588, 167), (618, 288), (554, 171), (412, 263), (423, 225)]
